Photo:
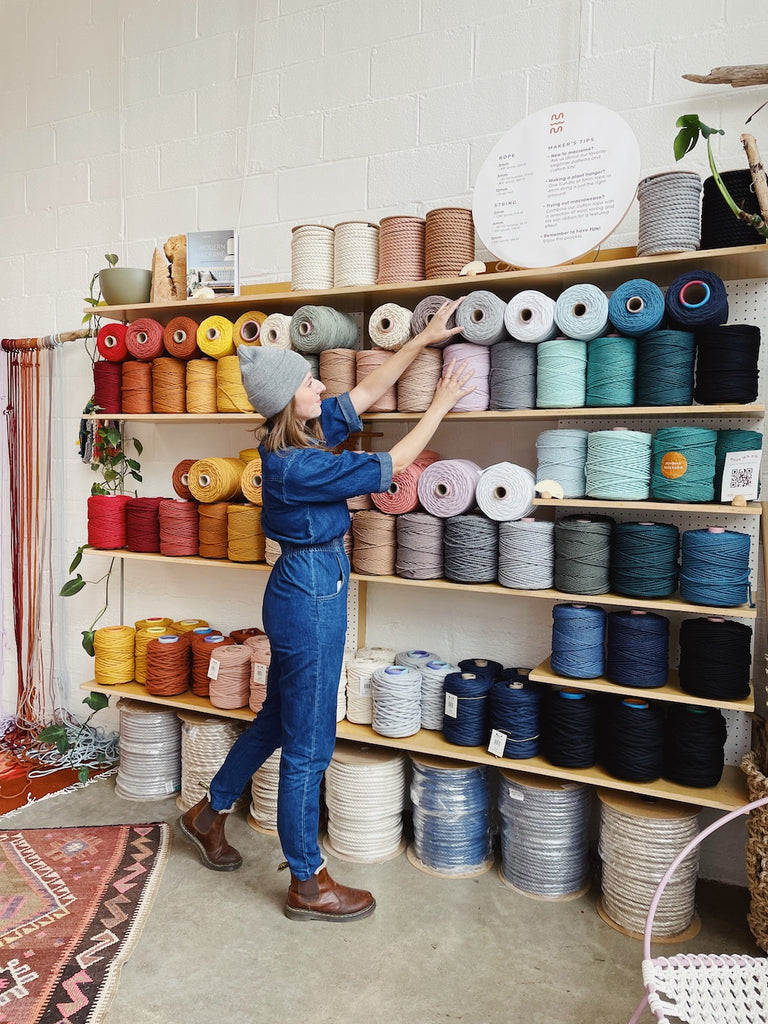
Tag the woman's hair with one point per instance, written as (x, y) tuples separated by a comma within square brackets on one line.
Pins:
[(286, 430)]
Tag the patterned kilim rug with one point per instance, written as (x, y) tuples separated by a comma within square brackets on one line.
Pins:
[(73, 902)]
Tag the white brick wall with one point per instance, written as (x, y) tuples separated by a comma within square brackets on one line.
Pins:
[(123, 123)]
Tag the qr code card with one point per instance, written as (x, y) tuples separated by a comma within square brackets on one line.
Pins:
[(741, 475)]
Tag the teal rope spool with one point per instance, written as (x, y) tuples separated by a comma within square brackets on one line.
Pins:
[(561, 374), (318, 328), (611, 366), (733, 441), (619, 465), (664, 374), (683, 464)]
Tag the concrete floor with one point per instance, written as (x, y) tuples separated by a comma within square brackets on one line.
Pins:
[(216, 948)]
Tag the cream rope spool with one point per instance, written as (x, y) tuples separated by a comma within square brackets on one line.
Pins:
[(365, 795), (389, 326), (251, 480), (359, 670), (311, 257), (150, 751), (205, 743), (271, 550), (355, 253), (216, 479), (262, 815), (449, 241), (230, 393), (416, 387), (337, 371), (638, 842), (276, 331)]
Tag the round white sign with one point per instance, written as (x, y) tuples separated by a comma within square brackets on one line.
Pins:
[(556, 185)]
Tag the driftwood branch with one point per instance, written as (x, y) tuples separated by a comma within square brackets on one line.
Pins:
[(758, 173), (736, 75)]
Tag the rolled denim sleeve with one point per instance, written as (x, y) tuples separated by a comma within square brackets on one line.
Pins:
[(338, 419), (317, 475)]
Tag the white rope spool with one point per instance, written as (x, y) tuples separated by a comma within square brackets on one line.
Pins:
[(360, 668), (264, 784), (355, 253), (205, 743), (311, 257), (638, 842), (276, 331), (150, 751), (389, 326), (365, 795)]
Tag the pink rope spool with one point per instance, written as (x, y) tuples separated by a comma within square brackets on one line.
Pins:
[(366, 362), (401, 249), (110, 342), (479, 358), (178, 527), (403, 493), (449, 240), (144, 339), (229, 670)]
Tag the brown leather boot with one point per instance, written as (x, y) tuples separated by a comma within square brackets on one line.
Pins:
[(322, 899), (205, 828)]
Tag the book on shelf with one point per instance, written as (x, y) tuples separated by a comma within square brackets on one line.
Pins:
[(213, 262)]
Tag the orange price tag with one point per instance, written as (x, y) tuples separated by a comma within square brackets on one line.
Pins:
[(673, 465)]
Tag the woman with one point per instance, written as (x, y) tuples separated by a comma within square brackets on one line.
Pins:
[(304, 489)]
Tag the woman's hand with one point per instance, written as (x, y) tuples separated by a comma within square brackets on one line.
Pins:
[(453, 386), (436, 331)]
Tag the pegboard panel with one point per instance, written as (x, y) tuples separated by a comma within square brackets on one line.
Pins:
[(353, 605), (739, 736)]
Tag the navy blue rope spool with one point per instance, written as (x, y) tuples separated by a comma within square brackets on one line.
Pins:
[(644, 559), (733, 441), (482, 667), (451, 817), (469, 726), (715, 658), (696, 299), (514, 707), (637, 649), (633, 747), (689, 478), (727, 364), (714, 568), (664, 373), (583, 554), (569, 728), (578, 638), (694, 745), (636, 307)]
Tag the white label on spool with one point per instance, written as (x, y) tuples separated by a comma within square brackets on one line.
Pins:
[(259, 672), (556, 184), (497, 743), (452, 705), (213, 668), (364, 685), (741, 475), (515, 794)]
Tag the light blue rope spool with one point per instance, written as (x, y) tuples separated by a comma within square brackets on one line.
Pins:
[(611, 366), (562, 456), (317, 328), (581, 312), (578, 641), (481, 318), (714, 567), (664, 373), (619, 465), (636, 307), (561, 374), (683, 464)]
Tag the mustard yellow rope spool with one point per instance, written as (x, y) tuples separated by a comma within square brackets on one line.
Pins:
[(143, 636), (230, 393), (114, 661), (245, 538), (214, 337), (182, 626), (155, 620), (250, 481), (212, 480), (247, 329), (248, 454), (201, 385)]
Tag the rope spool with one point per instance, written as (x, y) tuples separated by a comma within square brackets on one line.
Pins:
[(178, 527), (150, 751), (251, 481), (366, 362), (636, 307), (481, 318), (449, 241), (618, 465), (719, 228), (114, 655), (245, 537), (136, 386), (203, 648), (142, 524), (247, 329), (168, 665), (212, 530), (205, 743), (144, 339), (229, 671), (505, 492), (262, 815), (715, 658), (578, 639), (471, 545), (638, 841), (583, 554), (355, 253), (683, 464), (216, 479), (201, 386), (447, 487), (530, 317), (214, 337), (316, 328), (637, 649), (180, 338), (230, 392), (527, 554), (544, 836), (514, 717), (478, 359), (727, 364), (365, 792), (424, 312), (633, 746), (562, 457), (416, 386), (276, 331), (375, 543), (561, 374), (419, 546), (180, 478), (402, 495), (611, 364), (107, 520), (337, 371), (143, 636), (664, 369), (402, 243), (644, 559), (570, 728), (696, 299), (694, 746), (512, 377), (669, 219), (714, 567), (581, 312), (107, 382), (311, 257), (169, 385), (389, 326), (110, 342), (396, 692), (359, 670)]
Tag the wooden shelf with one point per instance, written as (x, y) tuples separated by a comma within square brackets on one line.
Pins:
[(752, 508), (672, 692), (672, 604), (729, 794), (755, 411), (745, 262)]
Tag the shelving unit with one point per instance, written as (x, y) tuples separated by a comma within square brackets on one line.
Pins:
[(607, 270)]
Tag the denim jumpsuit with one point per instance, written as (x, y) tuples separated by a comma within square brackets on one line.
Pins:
[(304, 491)]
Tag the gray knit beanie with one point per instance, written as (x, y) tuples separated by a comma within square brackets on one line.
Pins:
[(271, 376)]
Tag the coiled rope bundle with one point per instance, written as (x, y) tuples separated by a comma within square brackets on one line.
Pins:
[(144, 339), (618, 465), (644, 559), (544, 836), (478, 359), (714, 567), (201, 386), (715, 658), (583, 554), (664, 374), (276, 331), (611, 371), (312, 257), (419, 546), (638, 842), (424, 312), (150, 751), (212, 530), (512, 378), (355, 253), (637, 651), (337, 370), (216, 479), (668, 207), (433, 675), (178, 527), (578, 639), (169, 385), (562, 457), (136, 387), (683, 464), (366, 361), (365, 792), (205, 743), (402, 243), (396, 693), (449, 241), (229, 671), (262, 814), (527, 554), (230, 392), (180, 338), (107, 518), (451, 821), (416, 386), (110, 342), (247, 329)]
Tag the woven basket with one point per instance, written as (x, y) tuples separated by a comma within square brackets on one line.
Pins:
[(757, 852)]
